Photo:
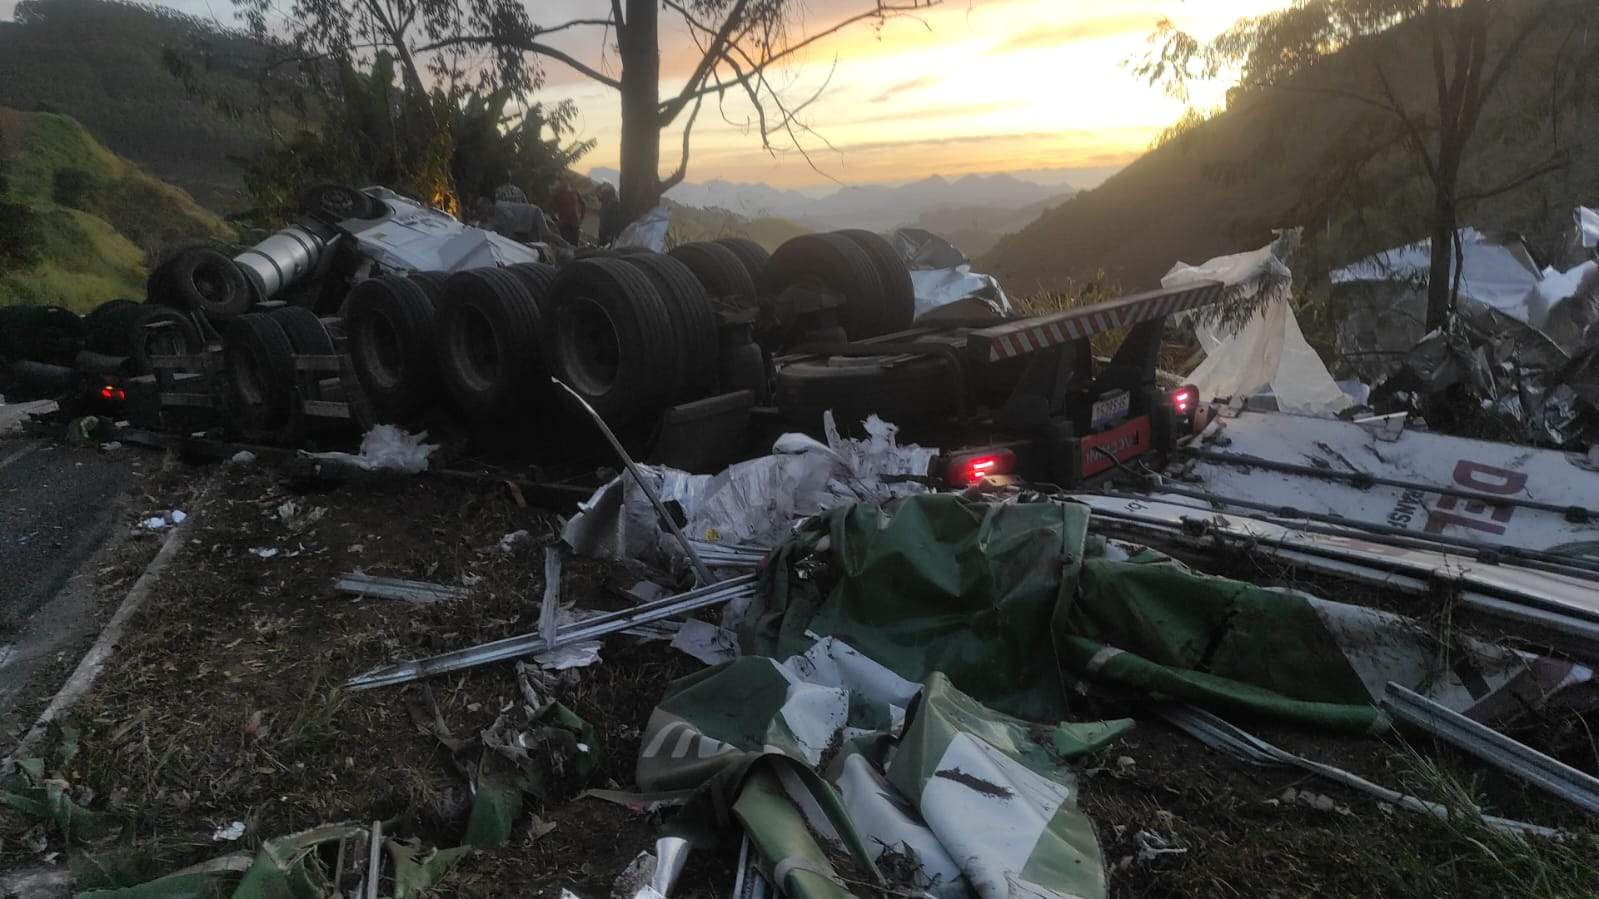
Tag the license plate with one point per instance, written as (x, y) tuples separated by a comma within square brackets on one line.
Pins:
[(1108, 409)]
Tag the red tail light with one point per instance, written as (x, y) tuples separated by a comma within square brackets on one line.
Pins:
[(967, 469), (112, 392), (1184, 399)]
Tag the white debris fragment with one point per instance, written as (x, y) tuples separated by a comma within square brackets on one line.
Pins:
[(265, 552), (514, 539), (171, 517), (706, 642), (155, 523), (229, 832), (387, 448), (111, 446), (242, 457), (574, 655), (178, 516)]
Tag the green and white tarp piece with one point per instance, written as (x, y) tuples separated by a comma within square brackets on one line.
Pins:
[(1020, 607), (847, 777)]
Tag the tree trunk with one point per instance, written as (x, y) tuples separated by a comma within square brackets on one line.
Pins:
[(641, 96), (1440, 276)]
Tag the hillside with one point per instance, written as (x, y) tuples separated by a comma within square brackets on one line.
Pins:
[(101, 218), (100, 62), (976, 229), (690, 223), (1268, 161)]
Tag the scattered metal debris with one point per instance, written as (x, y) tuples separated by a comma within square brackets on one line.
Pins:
[(1493, 747), (397, 588)]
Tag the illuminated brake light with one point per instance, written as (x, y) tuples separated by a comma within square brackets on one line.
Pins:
[(112, 392), (1184, 399), (968, 469)]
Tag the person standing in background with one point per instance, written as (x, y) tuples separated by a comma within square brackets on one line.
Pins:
[(610, 215), (569, 211)]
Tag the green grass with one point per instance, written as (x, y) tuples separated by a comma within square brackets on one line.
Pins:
[(120, 217)]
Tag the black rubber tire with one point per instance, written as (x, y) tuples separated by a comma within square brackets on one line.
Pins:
[(611, 338), (178, 337), (49, 334), (390, 323), (834, 263), (720, 271), (536, 278), (432, 284), (693, 322), (307, 335), (205, 281), (260, 367), (488, 345), (334, 203), (106, 327), (908, 391), (11, 331), (899, 294), (754, 257)]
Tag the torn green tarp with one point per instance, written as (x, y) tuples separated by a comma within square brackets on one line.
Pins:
[(45, 795), (285, 867), (526, 750), (932, 583), (1010, 601), (909, 769)]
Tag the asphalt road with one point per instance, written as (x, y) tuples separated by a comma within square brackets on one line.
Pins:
[(57, 507)]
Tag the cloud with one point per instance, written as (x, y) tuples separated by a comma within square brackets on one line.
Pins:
[(1088, 29), (905, 86)]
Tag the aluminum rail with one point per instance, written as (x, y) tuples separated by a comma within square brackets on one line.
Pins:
[(397, 588), (1576, 514), (1493, 747), (577, 632), (1221, 734), (1483, 552)]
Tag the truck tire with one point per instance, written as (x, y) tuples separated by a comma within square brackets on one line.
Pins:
[(536, 278), (488, 344), (919, 388), (720, 271), (173, 334), (11, 331), (307, 335), (831, 262), (693, 322), (47, 334), (899, 294), (260, 366), (754, 257), (334, 203), (611, 338), (432, 284), (390, 322), (204, 281), (106, 327)]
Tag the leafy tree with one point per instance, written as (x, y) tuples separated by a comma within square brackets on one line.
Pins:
[(1469, 45), (497, 45)]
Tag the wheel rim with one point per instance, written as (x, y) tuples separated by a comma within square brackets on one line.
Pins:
[(477, 353), (248, 380), (210, 286), (591, 354), (380, 344)]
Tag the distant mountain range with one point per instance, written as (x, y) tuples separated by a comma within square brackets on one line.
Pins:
[(877, 207)]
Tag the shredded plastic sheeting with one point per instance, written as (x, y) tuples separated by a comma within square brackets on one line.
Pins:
[(648, 231), (1587, 221), (753, 503), (1269, 351), (387, 448)]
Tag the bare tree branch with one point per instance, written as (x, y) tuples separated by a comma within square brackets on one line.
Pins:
[(1560, 160), (677, 176), (708, 61), (526, 46)]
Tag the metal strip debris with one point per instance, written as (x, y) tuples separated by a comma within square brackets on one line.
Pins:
[(1493, 747), (397, 588), (528, 644), (1220, 734), (700, 571)]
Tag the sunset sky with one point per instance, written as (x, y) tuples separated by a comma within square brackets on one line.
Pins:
[(966, 86)]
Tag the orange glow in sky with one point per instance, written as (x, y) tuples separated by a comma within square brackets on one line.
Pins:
[(968, 86)]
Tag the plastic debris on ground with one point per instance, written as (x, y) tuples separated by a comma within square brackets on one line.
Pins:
[(648, 231), (229, 832), (1266, 351), (753, 503), (164, 520), (386, 448), (943, 281)]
